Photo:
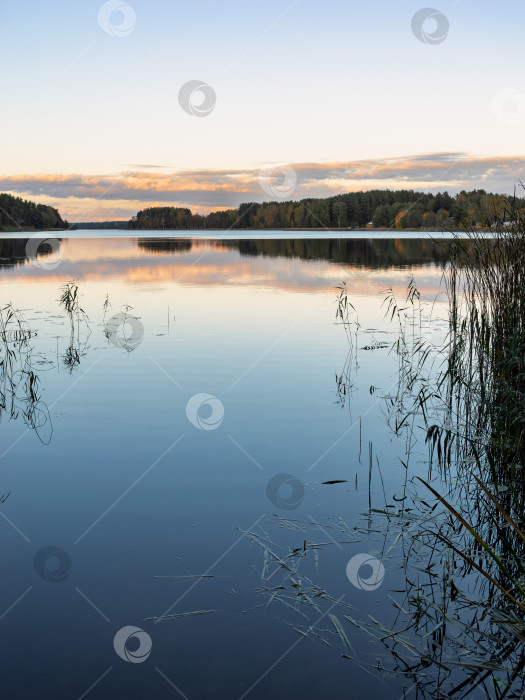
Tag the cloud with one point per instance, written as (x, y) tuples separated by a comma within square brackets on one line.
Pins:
[(205, 190)]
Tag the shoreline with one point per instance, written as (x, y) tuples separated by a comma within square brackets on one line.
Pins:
[(133, 232), (261, 230)]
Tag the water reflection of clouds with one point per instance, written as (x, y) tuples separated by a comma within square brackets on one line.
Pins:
[(224, 264)]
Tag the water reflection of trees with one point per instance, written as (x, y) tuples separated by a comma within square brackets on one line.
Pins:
[(159, 246), (13, 251), (367, 252)]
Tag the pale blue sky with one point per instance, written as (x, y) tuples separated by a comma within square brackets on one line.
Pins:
[(303, 82)]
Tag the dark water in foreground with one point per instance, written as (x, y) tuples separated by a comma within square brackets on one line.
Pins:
[(150, 482)]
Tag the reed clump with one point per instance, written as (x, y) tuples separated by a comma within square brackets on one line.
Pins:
[(471, 395), (483, 386), (69, 300), (20, 391), (465, 522)]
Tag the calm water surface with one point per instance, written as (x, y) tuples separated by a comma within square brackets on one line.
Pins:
[(152, 470)]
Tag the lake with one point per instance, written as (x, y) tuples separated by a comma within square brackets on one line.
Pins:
[(166, 439)]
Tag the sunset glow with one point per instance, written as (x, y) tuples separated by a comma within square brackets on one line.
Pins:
[(75, 134)]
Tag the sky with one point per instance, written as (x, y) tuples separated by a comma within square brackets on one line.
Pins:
[(111, 107)]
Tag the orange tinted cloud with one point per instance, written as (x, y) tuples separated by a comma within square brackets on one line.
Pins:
[(93, 197)]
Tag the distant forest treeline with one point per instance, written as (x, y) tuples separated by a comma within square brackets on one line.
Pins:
[(403, 209), (16, 212)]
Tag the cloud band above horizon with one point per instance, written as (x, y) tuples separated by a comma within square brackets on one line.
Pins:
[(104, 197)]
